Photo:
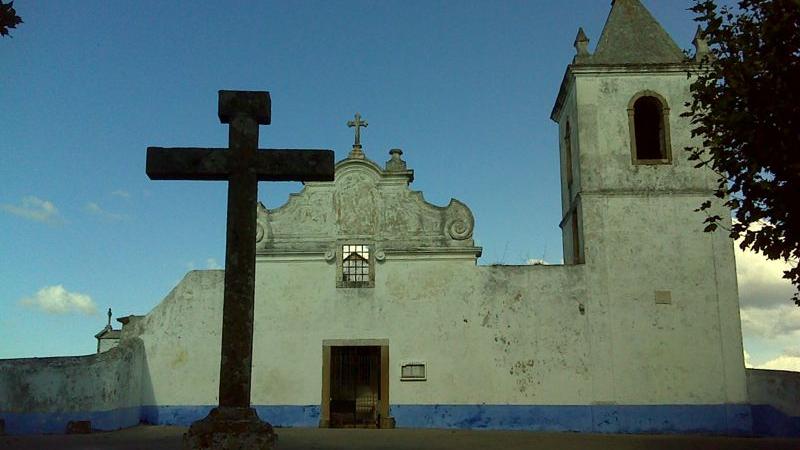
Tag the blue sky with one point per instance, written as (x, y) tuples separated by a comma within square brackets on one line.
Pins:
[(464, 88)]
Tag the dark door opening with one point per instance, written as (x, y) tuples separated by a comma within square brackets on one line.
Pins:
[(355, 387)]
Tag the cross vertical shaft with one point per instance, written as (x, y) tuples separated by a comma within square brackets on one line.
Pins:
[(240, 261)]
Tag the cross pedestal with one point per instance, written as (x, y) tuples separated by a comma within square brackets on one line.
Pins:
[(234, 424)]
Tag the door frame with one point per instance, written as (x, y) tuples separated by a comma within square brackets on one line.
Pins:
[(383, 402)]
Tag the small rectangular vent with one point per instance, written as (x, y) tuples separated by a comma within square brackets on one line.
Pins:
[(413, 371), (663, 297)]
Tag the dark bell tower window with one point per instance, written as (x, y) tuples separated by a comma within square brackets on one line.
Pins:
[(649, 127), (568, 158), (647, 116)]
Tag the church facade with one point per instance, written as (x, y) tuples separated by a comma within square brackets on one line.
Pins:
[(371, 309)]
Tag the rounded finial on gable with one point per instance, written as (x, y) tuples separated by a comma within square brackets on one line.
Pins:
[(395, 163)]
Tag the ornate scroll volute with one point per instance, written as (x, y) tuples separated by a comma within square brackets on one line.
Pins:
[(459, 221), (262, 226)]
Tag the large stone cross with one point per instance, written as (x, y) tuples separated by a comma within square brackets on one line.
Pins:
[(243, 165)]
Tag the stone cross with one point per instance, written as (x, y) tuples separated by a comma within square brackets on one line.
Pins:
[(243, 165), (358, 123)]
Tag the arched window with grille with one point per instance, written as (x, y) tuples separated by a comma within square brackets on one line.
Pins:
[(648, 116)]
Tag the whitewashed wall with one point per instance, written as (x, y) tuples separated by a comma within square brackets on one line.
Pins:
[(488, 334), (41, 395), (495, 335), (642, 235)]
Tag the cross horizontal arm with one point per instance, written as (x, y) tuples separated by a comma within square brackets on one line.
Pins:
[(188, 163)]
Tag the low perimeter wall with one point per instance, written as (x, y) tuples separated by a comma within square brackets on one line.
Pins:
[(775, 402), (42, 395)]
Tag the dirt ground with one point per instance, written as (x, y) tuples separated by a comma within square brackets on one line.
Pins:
[(169, 438)]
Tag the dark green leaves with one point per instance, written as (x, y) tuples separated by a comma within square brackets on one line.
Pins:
[(8, 18), (745, 109)]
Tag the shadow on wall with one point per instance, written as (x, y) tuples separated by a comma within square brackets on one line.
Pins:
[(148, 396), (152, 413), (774, 397)]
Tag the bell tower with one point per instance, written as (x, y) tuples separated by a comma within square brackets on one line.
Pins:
[(629, 194), (620, 129)]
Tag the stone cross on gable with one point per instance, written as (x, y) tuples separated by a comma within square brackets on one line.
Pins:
[(358, 123), (243, 165)]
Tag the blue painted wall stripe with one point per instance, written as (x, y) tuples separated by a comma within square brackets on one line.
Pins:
[(717, 419), (56, 422), (278, 415), (731, 419), (290, 416), (174, 414), (768, 421)]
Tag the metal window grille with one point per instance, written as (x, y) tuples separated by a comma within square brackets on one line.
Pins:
[(355, 263)]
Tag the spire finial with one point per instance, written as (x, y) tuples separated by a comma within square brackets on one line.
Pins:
[(109, 318), (700, 45), (581, 46)]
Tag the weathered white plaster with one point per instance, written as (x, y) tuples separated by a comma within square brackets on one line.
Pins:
[(182, 339), (98, 382), (104, 345), (639, 234)]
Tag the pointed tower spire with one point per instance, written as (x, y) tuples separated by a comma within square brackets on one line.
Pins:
[(581, 47), (701, 49), (632, 36)]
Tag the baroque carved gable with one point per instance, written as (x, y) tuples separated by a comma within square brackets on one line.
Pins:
[(364, 203)]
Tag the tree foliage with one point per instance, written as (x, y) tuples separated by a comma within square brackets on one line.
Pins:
[(8, 18), (746, 110)]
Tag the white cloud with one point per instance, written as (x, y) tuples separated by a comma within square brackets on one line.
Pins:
[(57, 300), (537, 262), (782, 362), (95, 209), (771, 323), (33, 208), (761, 282), (121, 194), (211, 264), (794, 352), (747, 361), (769, 317)]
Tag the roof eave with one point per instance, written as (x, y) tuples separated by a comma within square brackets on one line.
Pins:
[(555, 113)]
